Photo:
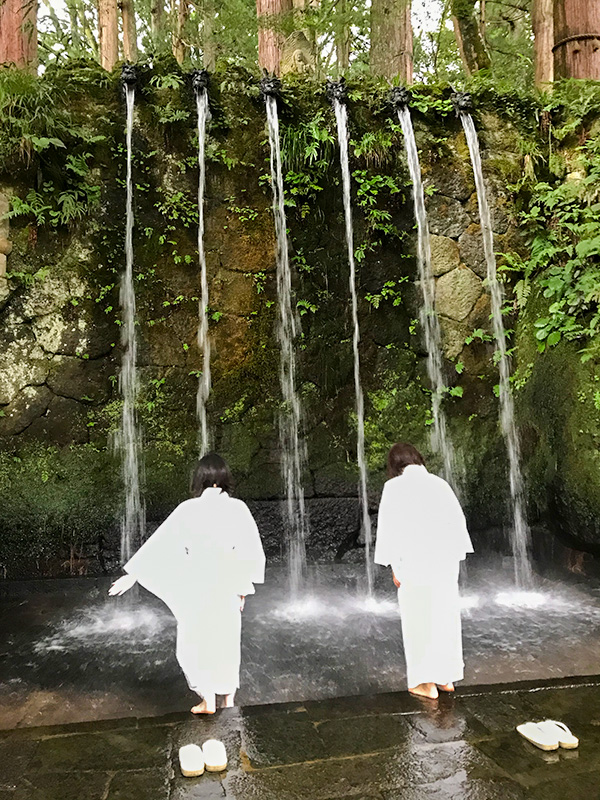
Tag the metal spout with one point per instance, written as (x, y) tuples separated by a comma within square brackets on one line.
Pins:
[(462, 103), (128, 75), (337, 90), (200, 80), (399, 97), (270, 85)]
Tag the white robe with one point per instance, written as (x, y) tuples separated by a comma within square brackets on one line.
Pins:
[(422, 534), (199, 561)]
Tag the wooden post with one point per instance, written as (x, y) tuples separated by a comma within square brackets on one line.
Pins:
[(392, 40), (543, 31), (108, 33), (18, 33), (577, 39)]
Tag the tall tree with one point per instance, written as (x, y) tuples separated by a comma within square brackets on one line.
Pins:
[(342, 37), (180, 13), (18, 33), (577, 39), (542, 24), (469, 36), (209, 44), (108, 33), (157, 13), (270, 38), (392, 39), (130, 51)]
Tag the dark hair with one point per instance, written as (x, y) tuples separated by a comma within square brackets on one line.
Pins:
[(401, 455), (211, 470)]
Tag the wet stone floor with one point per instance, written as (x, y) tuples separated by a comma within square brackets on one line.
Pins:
[(381, 747)]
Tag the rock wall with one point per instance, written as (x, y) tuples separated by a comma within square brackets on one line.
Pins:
[(59, 319)]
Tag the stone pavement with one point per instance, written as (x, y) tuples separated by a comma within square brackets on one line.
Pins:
[(384, 747)]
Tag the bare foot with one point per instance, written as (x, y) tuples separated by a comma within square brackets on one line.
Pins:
[(445, 687), (427, 690), (202, 708)]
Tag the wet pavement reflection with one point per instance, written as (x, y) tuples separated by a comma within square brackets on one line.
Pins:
[(382, 747)]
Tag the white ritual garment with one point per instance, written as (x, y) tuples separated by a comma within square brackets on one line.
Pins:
[(422, 534), (199, 561)]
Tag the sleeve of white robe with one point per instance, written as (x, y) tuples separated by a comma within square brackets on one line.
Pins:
[(250, 553), (386, 547), (159, 563)]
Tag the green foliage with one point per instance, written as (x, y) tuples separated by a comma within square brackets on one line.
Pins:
[(46, 511), (562, 219)]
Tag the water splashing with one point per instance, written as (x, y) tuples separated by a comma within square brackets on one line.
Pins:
[(520, 530), (341, 118), (204, 381), (133, 521), (292, 447), (429, 320)]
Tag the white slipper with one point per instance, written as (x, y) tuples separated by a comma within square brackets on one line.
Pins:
[(544, 738), (565, 737), (215, 755), (191, 760)]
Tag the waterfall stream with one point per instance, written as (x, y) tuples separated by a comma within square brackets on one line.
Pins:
[(292, 447), (204, 381), (520, 531), (429, 320), (129, 437), (341, 118)]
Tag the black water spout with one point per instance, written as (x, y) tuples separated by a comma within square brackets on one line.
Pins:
[(399, 97), (462, 102), (337, 90), (270, 85), (200, 80), (128, 75)]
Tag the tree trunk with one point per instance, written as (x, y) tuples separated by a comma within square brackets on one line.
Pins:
[(391, 39), (180, 11), (577, 39), (108, 33), (543, 32), (157, 10), (209, 45), (130, 51), (471, 43), (18, 33), (342, 38), (270, 40)]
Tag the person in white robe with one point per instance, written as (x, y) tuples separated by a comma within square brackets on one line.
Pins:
[(422, 535), (202, 562)]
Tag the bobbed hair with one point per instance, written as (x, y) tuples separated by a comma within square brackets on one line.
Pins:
[(401, 455), (211, 470)]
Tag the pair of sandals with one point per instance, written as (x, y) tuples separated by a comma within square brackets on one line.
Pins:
[(548, 735), (194, 760)]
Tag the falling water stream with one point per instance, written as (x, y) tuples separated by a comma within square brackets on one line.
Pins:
[(129, 437), (341, 118), (520, 530), (292, 447), (204, 381), (429, 320)]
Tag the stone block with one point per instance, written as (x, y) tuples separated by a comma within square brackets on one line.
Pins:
[(453, 337), (80, 379), (446, 216), (4, 209), (2, 265), (444, 255), (470, 246), (456, 293), (22, 364), (27, 406), (6, 246)]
